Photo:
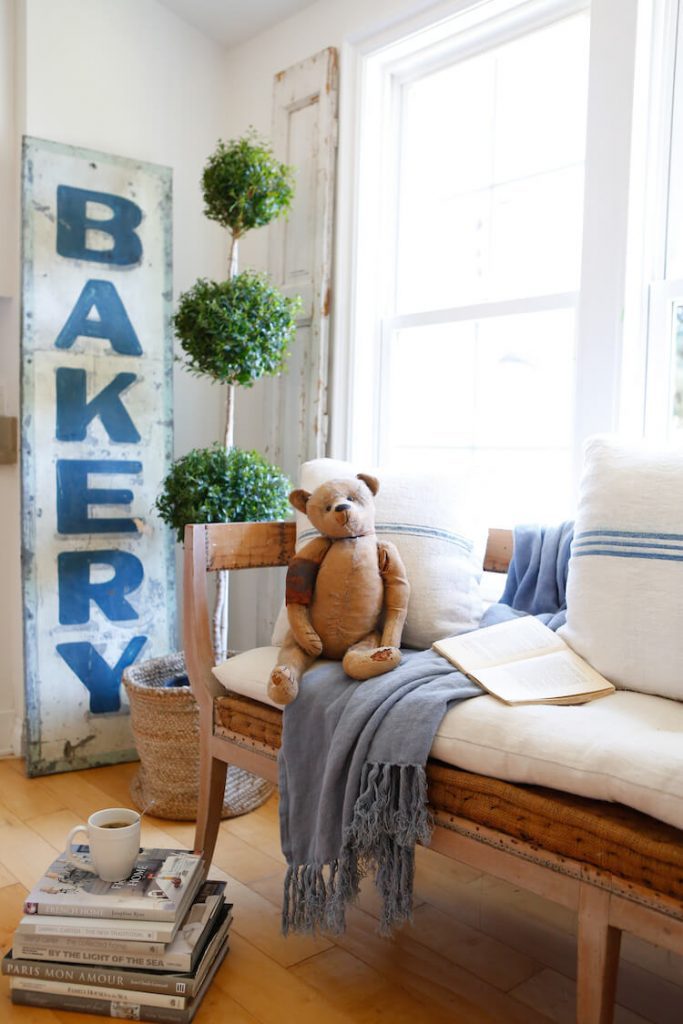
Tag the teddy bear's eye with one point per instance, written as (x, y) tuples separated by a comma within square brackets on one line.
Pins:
[(329, 508), (351, 498)]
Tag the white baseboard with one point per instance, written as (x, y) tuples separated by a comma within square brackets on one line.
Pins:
[(8, 734)]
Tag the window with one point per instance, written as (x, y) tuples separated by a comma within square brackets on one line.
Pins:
[(490, 187), (478, 338), (480, 225)]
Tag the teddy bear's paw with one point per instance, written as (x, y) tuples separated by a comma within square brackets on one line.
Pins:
[(311, 644), (282, 686), (367, 664)]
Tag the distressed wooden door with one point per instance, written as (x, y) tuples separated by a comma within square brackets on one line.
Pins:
[(305, 101), (300, 263)]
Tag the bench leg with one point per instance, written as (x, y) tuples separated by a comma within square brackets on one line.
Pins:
[(212, 776), (598, 958)]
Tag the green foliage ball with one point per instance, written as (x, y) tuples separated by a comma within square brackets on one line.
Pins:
[(215, 485), (244, 185), (236, 331)]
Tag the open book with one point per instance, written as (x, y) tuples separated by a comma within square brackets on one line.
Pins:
[(524, 662)]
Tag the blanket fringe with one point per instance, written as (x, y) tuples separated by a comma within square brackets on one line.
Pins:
[(389, 817)]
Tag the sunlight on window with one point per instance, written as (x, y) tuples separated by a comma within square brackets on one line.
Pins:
[(493, 398), (491, 173), (489, 210)]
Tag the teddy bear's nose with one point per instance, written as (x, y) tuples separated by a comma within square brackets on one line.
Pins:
[(342, 506)]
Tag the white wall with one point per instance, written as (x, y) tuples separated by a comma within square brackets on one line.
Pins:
[(127, 77)]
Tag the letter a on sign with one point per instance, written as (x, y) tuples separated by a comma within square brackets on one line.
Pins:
[(110, 321)]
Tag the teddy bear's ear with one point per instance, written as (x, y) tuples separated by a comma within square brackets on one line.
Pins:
[(371, 481), (299, 499)]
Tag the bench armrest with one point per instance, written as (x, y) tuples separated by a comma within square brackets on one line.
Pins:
[(210, 549)]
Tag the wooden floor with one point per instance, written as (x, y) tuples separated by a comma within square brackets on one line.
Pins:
[(479, 952)]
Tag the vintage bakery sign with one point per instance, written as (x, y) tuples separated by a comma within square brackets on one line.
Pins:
[(96, 443)]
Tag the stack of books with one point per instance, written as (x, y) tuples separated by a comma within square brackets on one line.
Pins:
[(146, 948)]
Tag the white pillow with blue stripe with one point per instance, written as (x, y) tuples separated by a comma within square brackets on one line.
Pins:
[(625, 585), (432, 522)]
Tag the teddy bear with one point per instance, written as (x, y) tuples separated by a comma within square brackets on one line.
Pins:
[(346, 591)]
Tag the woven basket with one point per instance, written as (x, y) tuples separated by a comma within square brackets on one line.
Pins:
[(165, 723)]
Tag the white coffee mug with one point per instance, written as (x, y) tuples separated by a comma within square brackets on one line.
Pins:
[(114, 839)]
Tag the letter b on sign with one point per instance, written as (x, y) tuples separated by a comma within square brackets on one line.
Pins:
[(73, 224)]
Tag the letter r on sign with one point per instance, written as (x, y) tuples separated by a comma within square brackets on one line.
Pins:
[(76, 590)]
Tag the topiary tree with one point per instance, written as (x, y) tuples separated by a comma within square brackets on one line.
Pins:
[(234, 332), (219, 485), (244, 185)]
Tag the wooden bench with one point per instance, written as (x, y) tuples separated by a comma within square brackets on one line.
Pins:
[(476, 831)]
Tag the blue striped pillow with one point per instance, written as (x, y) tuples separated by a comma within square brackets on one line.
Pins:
[(625, 585)]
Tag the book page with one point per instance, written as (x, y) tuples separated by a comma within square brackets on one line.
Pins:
[(497, 645), (556, 675)]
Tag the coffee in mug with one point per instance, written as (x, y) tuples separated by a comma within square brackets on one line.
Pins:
[(113, 835)]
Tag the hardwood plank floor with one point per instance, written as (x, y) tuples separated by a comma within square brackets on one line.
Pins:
[(479, 952)]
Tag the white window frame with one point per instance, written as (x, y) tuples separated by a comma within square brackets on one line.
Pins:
[(664, 292), (368, 71), (664, 297)]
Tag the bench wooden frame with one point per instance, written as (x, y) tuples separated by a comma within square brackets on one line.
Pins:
[(605, 904)]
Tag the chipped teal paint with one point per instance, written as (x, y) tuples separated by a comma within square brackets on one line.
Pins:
[(77, 721)]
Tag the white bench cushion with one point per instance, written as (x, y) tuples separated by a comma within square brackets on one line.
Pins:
[(626, 748)]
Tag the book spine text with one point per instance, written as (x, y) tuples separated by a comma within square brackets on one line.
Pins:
[(123, 996), (100, 1007), (126, 960), (108, 911), (92, 930), (139, 982)]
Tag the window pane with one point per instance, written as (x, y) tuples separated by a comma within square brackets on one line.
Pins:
[(491, 173), (535, 244), (491, 397)]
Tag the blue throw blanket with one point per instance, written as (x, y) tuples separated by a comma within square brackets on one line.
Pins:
[(353, 789), (537, 577)]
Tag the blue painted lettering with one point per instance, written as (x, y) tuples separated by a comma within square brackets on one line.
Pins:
[(111, 323), (73, 225), (102, 682), (74, 412), (76, 590), (74, 496)]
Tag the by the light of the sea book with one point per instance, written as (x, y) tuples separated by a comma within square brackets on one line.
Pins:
[(135, 982), (180, 955), (524, 662), (160, 888), (121, 1003)]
